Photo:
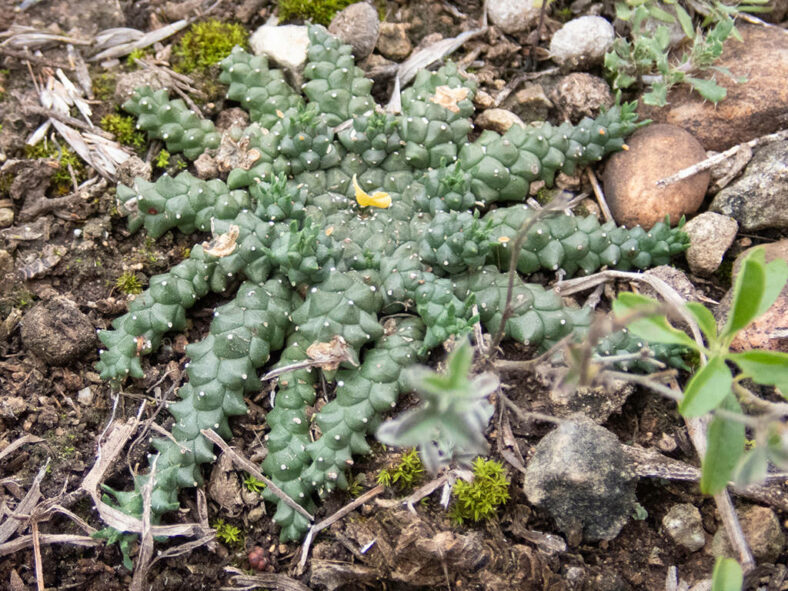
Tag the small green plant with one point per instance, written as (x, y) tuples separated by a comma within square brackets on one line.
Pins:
[(713, 388), (406, 474), (207, 43), (123, 127), (123, 540), (129, 283), (162, 159), (316, 11), (253, 485), (450, 423), (61, 181), (227, 533), (727, 575), (646, 58), (480, 498), (136, 54)]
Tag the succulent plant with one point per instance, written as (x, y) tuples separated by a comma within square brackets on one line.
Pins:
[(353, 251)]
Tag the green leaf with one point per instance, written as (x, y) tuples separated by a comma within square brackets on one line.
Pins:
[(752, 467), (705, 320), (658, 96), (777, 444), (775, 278), (725, 447), (764, 367), (685, 21), (727, 575), (707, 388), (656, 328), (748, 291), (708, 89), (662, 15)]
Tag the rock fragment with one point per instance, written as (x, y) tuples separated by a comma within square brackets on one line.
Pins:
[(512, 16), (711, 234), (393, 42), (581, 476), (57, 331), (358, 26), (759, 199)]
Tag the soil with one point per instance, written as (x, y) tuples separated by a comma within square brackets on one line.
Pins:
[(76, 252)]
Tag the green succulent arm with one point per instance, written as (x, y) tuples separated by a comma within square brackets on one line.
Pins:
[(221, 370), (579, 244), (287, 439), (361, 398), (504, 166), (539, 316), (261, 91), (172, 122), (334, 82)]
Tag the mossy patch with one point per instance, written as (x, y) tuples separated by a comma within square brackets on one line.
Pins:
[(480, 498), (316, 11), (68, 162), (207, 43), (123, 127)]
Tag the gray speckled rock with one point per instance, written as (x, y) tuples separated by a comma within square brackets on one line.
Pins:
[(711, 234), (581, 476), (684, 525), (759, 199), (358, 26), (582, 42), (512, 16)]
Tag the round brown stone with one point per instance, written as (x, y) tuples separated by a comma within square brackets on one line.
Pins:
[(655, 152)]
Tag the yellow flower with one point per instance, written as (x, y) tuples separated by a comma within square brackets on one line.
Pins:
[(377, 199)]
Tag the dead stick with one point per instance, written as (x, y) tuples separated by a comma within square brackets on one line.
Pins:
[(41, 61), (37, 556), (248, 466), (367, 496), (717, 158), (600, 195)]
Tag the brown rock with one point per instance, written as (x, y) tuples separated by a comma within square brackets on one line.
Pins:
[(499, 120), (751, 109), (579, 95), (655, 152), (770, 331), (393, 42), (762, 529), (530, 103)]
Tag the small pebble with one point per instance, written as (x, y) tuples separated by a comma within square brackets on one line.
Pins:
[(85, 396), (499, 120), (684, 525), (393, 42), (6, 217), (512, 16), (711, 234), (582, 42)]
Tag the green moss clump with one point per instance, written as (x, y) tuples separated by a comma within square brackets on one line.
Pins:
[(406, 474), (317, 11), (129, 283), (253, 485), (227, 533), (123, 127), (207, 43), (136, 54), (103, 85), (61, 181), (480, 498)]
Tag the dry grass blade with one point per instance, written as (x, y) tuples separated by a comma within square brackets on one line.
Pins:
[(249, 467), (25, 507), (146, 40), (22, 542), (24, 440), (316, 528), (242, 581), (19, 37)]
